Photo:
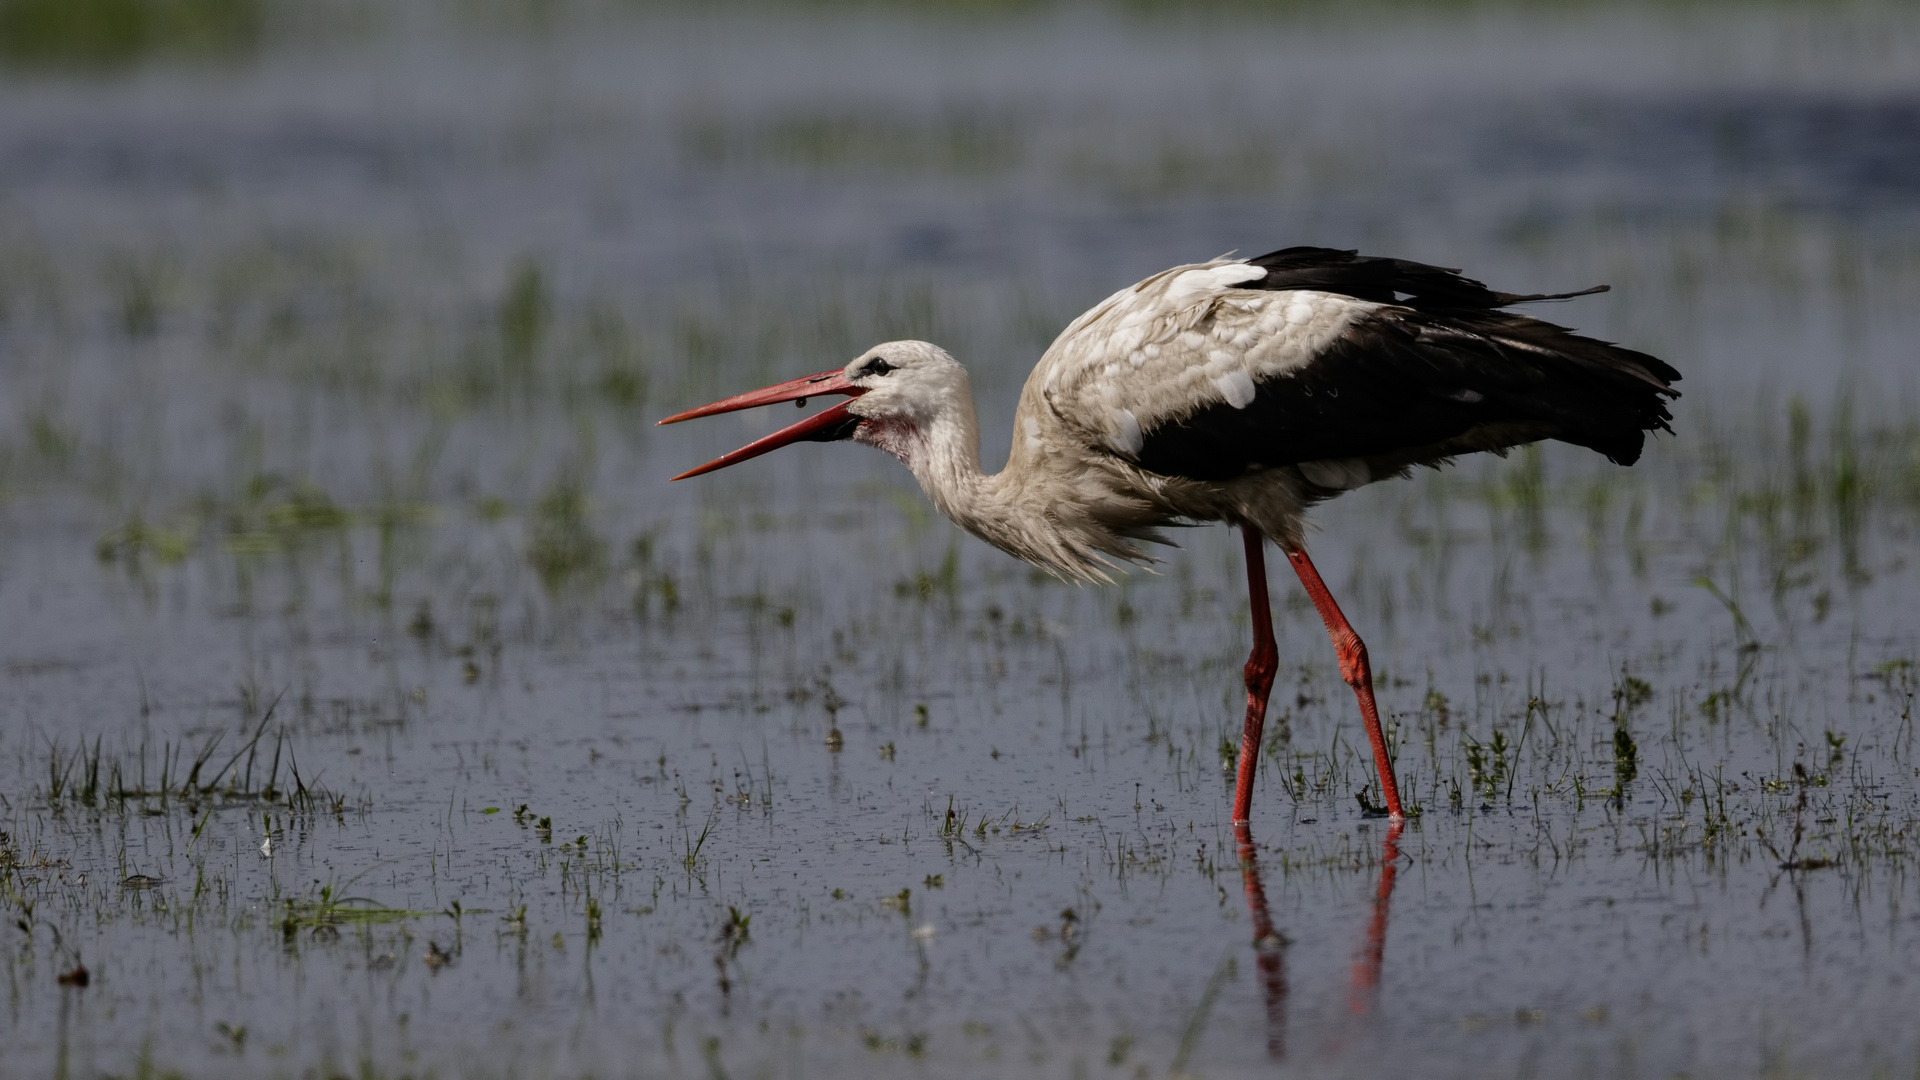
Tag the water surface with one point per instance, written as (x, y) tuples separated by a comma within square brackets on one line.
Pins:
[(373, 706)]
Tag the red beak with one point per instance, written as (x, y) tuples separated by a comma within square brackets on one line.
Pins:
[(829, 425)]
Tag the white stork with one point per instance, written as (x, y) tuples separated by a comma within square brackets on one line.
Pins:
[(1242, 391)]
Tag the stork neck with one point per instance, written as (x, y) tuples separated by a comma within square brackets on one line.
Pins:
[(943, 453)]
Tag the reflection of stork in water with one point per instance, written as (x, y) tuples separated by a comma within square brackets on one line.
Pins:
[(1269, 947), (1366, 965), (1241, 391)]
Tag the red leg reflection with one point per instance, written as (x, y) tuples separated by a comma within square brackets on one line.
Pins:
[(1366, 966), (1353, 668), (1268, 946)]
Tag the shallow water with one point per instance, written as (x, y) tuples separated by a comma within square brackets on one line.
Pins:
[(333, 341)]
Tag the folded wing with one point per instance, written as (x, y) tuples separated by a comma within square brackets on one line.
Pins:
[(1309, 356)]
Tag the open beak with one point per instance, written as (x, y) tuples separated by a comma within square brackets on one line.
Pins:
[(829, 425)]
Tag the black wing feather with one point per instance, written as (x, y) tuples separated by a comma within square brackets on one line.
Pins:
[(1416, 384), (1385, 280)]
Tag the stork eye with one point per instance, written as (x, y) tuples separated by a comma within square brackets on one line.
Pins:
[(876, 366)]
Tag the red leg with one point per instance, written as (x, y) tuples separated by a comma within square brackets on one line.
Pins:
[(1261, 664), (1353, 668)]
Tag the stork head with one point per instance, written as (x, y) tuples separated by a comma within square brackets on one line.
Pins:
[(899, 388)]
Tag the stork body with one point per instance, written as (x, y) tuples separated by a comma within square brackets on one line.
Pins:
[(1239, 391)]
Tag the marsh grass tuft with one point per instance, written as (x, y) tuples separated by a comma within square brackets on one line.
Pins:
[(106, 34), (326, 909), (525, 311), (562, 545)]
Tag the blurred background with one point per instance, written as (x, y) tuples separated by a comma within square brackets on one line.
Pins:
[(331, 338), (456, 243)]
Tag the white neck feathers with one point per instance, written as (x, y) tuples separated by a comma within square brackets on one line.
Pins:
[(1017, 510)]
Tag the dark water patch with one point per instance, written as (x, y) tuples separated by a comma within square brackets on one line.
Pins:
[(1851, 157)]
